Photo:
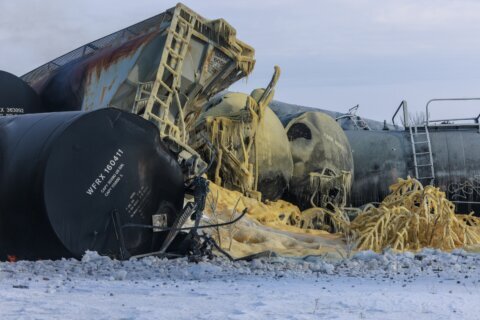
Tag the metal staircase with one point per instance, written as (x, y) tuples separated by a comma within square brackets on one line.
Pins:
[(154, 99), (422, 154)]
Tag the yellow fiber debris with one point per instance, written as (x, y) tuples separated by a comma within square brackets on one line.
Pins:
[(267, 226), (410, 218), (413, 217)]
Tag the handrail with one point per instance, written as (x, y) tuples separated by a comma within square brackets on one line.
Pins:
[(475, 119), (345, 116), (448, 99), (405, 113)]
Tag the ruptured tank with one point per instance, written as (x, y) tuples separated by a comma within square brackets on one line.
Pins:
[(322, 159), (69, 181)]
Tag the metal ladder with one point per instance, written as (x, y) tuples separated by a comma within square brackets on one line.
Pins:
[(154, 99), (425, 166)]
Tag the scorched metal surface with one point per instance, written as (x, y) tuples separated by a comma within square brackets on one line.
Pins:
[(64, 174)]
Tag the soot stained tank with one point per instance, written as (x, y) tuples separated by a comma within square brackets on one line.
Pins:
[(381, 157), (286, 112), (322, 160), (64, 174), (16, 96)]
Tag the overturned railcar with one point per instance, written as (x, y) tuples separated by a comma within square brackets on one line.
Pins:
[(164, 69), (88, 177)]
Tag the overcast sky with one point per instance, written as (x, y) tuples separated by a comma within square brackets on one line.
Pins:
[(333, 53)]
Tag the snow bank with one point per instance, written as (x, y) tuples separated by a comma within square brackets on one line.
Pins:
[(429, 284), (365, 263)]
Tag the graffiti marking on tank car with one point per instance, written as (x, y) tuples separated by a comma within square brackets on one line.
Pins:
[(109, 177), (466, 189)]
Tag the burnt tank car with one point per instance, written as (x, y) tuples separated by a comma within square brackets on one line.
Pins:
[(445, 153)]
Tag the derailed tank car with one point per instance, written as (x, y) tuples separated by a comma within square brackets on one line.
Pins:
[(252, 153), (71, 195), (70, 180), (164, 69), (323, 164), (445, 153)]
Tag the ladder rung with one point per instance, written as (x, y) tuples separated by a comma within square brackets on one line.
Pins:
[(174, 72), (173, 53), (179, 37), (162, 103), (182, 19), (421, 178), (418, 142), (422, 153), (154, 116), (424, 165), (164, 85)]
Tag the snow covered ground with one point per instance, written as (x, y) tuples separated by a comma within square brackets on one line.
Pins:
[(427, 285)]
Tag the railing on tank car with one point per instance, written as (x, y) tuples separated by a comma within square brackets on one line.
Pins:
[(446, 122), (439, 122)]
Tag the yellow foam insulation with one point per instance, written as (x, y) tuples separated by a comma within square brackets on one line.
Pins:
[(266, 227)]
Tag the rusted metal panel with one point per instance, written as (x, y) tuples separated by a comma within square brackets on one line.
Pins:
[(107, 72)]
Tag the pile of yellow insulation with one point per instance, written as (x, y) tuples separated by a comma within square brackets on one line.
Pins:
[(266, 227), (410, 218), (413, 217)]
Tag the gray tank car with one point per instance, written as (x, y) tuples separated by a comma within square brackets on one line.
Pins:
[(445, 153)]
